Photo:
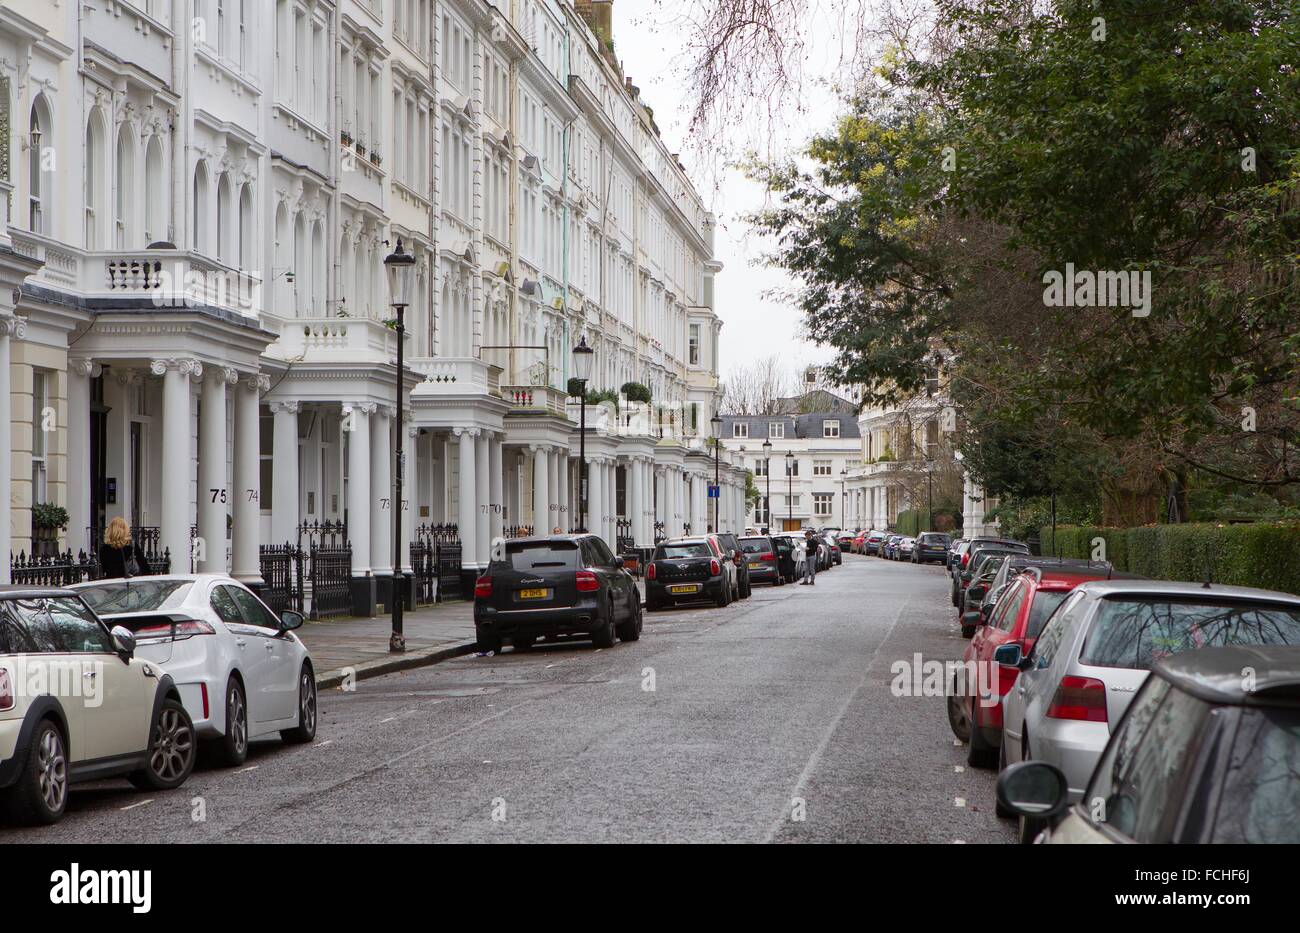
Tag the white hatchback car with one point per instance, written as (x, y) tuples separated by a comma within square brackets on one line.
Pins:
[(241, 671), (76, 704)]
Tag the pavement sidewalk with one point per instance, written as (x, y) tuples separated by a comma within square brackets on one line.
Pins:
[(348, 644)]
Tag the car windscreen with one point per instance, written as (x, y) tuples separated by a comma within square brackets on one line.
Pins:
[(1045, 603), (755, 545), (684, 550), (1134, 633), (1261, 784), (541, 555), (136, 595), (934, 539), (988, 564)]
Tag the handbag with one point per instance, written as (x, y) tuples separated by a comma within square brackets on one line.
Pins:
[(132, 566)]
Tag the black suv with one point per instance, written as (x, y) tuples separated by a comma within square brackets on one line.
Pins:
[(686, 570), (737, 556), (555, 585)]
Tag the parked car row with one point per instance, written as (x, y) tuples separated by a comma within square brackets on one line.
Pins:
[(133, 677), (1091, 747)]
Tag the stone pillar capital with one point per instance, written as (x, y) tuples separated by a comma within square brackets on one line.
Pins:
[(289, 406), (84, 367)]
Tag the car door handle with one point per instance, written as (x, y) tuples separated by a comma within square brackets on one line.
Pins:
[(239, 642), (88, 674), (269, 647)]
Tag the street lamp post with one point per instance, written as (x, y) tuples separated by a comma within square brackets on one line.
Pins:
[(400, 266), (767, 503), (844, 476), (716, 421), (583, 357), (789, 486)]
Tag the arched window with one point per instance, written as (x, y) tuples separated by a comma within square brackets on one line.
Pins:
[(223, 217), (124, 189), (281, 293), (301, 266), (40, 203), (246, 226), (346, 287), (94, 184), (199, 234), (155, 193)]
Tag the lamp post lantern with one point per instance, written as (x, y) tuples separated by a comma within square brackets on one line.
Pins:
[(716, 421), (400, 266), (583, 358), (767, 503)]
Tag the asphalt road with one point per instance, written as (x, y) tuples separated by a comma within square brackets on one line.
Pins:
[(772, 720)]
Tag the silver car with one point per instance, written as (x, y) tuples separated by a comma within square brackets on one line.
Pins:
[(1096, 649)]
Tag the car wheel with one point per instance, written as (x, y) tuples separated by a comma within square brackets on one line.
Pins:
[(232, 748), (487, 644), (631, 629), (305, 731), (980, 754), (1002, 766), (171, 753), (40, 795), (603, 637), (958, 718), (523, 642), (724, 596)]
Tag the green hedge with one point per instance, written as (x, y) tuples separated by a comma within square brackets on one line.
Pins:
[(1261, 554), (912, 522)]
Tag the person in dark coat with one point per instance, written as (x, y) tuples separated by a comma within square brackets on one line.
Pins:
[(119, 552)]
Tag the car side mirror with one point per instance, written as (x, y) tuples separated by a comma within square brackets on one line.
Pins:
[(123, 642), (976, 592), (971, 618), (1033, 789), (290, 619), (1009, 655)]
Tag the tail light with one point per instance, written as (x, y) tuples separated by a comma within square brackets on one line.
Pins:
[(965, 559), (714, 567), (6, 690), (203, 689), (184, 629), (586, 581), (768, 556), (650, 571), (483, 586), (1081, 698)]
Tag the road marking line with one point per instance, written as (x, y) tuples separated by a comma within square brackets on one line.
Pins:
[(958, 769), (246, 770), (389, 719), (815, 758), (134, 805), (326, 742), (959, 802)]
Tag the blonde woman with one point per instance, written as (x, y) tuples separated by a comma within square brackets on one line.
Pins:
[(120, 556)]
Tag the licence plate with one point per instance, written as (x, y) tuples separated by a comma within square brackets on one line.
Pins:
[(683, 588), (755, 565), (534, 594)]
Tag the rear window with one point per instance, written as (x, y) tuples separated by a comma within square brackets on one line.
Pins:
[(678, 551), (541, 555), (1045, 603), (1261, 792), (133, 596), (755, 545), (1133, 633), (935, 539)]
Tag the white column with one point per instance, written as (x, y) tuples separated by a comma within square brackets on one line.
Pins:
[(553, 478), (564, 515), (285, 474), (246, 528), (78, 459), (357, 416), (633, 499), (611, 502), (496, 488), (466, 519), (482, 487), (411, 491), (214, 490), (596, 497), (174, 530), (541, 489), (672, 498), (9, 327), (381, 493)]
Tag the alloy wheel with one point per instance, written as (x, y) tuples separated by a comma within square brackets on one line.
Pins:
[(237, 720), (306, 702), (52, 770), (174, 747)]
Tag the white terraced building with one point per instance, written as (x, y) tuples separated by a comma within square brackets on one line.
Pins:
[(196, 198)]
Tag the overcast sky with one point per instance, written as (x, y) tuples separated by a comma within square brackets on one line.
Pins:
[(646, 33)]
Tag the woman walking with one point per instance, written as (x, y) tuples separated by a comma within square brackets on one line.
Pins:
[(120, 556)]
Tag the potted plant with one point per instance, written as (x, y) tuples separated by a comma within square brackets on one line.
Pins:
[(48, 519), (636, 392), (374, 158), (345, 137)]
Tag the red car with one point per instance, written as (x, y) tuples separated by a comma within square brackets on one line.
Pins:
[(1017, 619), (858, 540)]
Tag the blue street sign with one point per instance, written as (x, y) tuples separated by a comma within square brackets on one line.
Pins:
[(714, 492)]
